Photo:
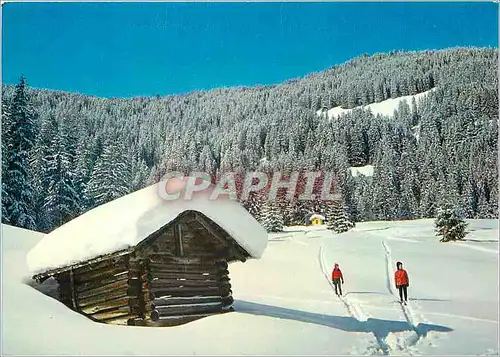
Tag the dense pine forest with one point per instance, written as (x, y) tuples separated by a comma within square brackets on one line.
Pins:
[(65, 153)]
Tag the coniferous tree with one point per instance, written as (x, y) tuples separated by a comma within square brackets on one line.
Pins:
[(271, 218), (449, 225), (254, 205), (62, 202), (111, 177), (337, 218), (385, 190), (18, 175)]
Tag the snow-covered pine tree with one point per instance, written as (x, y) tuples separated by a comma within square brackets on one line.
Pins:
[(20, 140), (253, 205), (111, 177), (271, 218), (385, 183), (449, 225), (84, 168), (44, 150), (62, 200), (337, 219), (139, 171)]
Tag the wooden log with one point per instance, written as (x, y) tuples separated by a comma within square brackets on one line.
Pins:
[(119, 313), (176, 310), (115, 312), (178, 239), (72, 289), (122, 284), (112, 312), (209, 290), (168, 283), (100, 265), (185, 300), (92, 285), (188, 312), (166, 263), (105, 305), (165, 319), (188, 276), (120, 320), (119, 293), (183, 292), (172, 259), (100, 274), (172, 321), (168, 321), (180, 269)]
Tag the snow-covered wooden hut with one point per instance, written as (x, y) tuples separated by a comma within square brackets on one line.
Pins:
[(317, 219), (142, 260)]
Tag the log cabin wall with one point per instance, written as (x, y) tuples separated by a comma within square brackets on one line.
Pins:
[(186, 274), (108, 291)]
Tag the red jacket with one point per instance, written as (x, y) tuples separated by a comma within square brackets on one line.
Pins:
[(401, 277), (337, 274)]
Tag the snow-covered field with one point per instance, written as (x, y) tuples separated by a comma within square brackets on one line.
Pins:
[(285, 304), (385, 107)]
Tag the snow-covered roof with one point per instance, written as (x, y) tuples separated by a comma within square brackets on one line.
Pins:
[(128, 220), (315, 216)]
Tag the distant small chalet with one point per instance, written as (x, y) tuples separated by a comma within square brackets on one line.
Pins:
[(141, 260)]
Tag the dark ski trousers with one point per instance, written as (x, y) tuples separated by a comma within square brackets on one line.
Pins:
[(403, 290), (336, 282)]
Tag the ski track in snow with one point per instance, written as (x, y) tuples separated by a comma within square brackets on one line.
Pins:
[(410, 315), (354, 310)]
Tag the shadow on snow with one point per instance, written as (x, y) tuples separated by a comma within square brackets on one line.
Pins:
[(380, 328)]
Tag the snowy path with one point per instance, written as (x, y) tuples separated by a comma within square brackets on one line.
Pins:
[(415, 321), (386, 343)]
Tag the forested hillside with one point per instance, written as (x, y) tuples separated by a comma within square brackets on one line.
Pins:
[(65, 153)]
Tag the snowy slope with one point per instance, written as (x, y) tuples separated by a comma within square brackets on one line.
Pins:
[(385, 107), (128, 220), (285, 303)]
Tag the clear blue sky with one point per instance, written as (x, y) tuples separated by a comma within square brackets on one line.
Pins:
[(130, 49)]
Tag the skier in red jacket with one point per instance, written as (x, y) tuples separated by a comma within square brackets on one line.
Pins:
[(337, 278), (402, 282)]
